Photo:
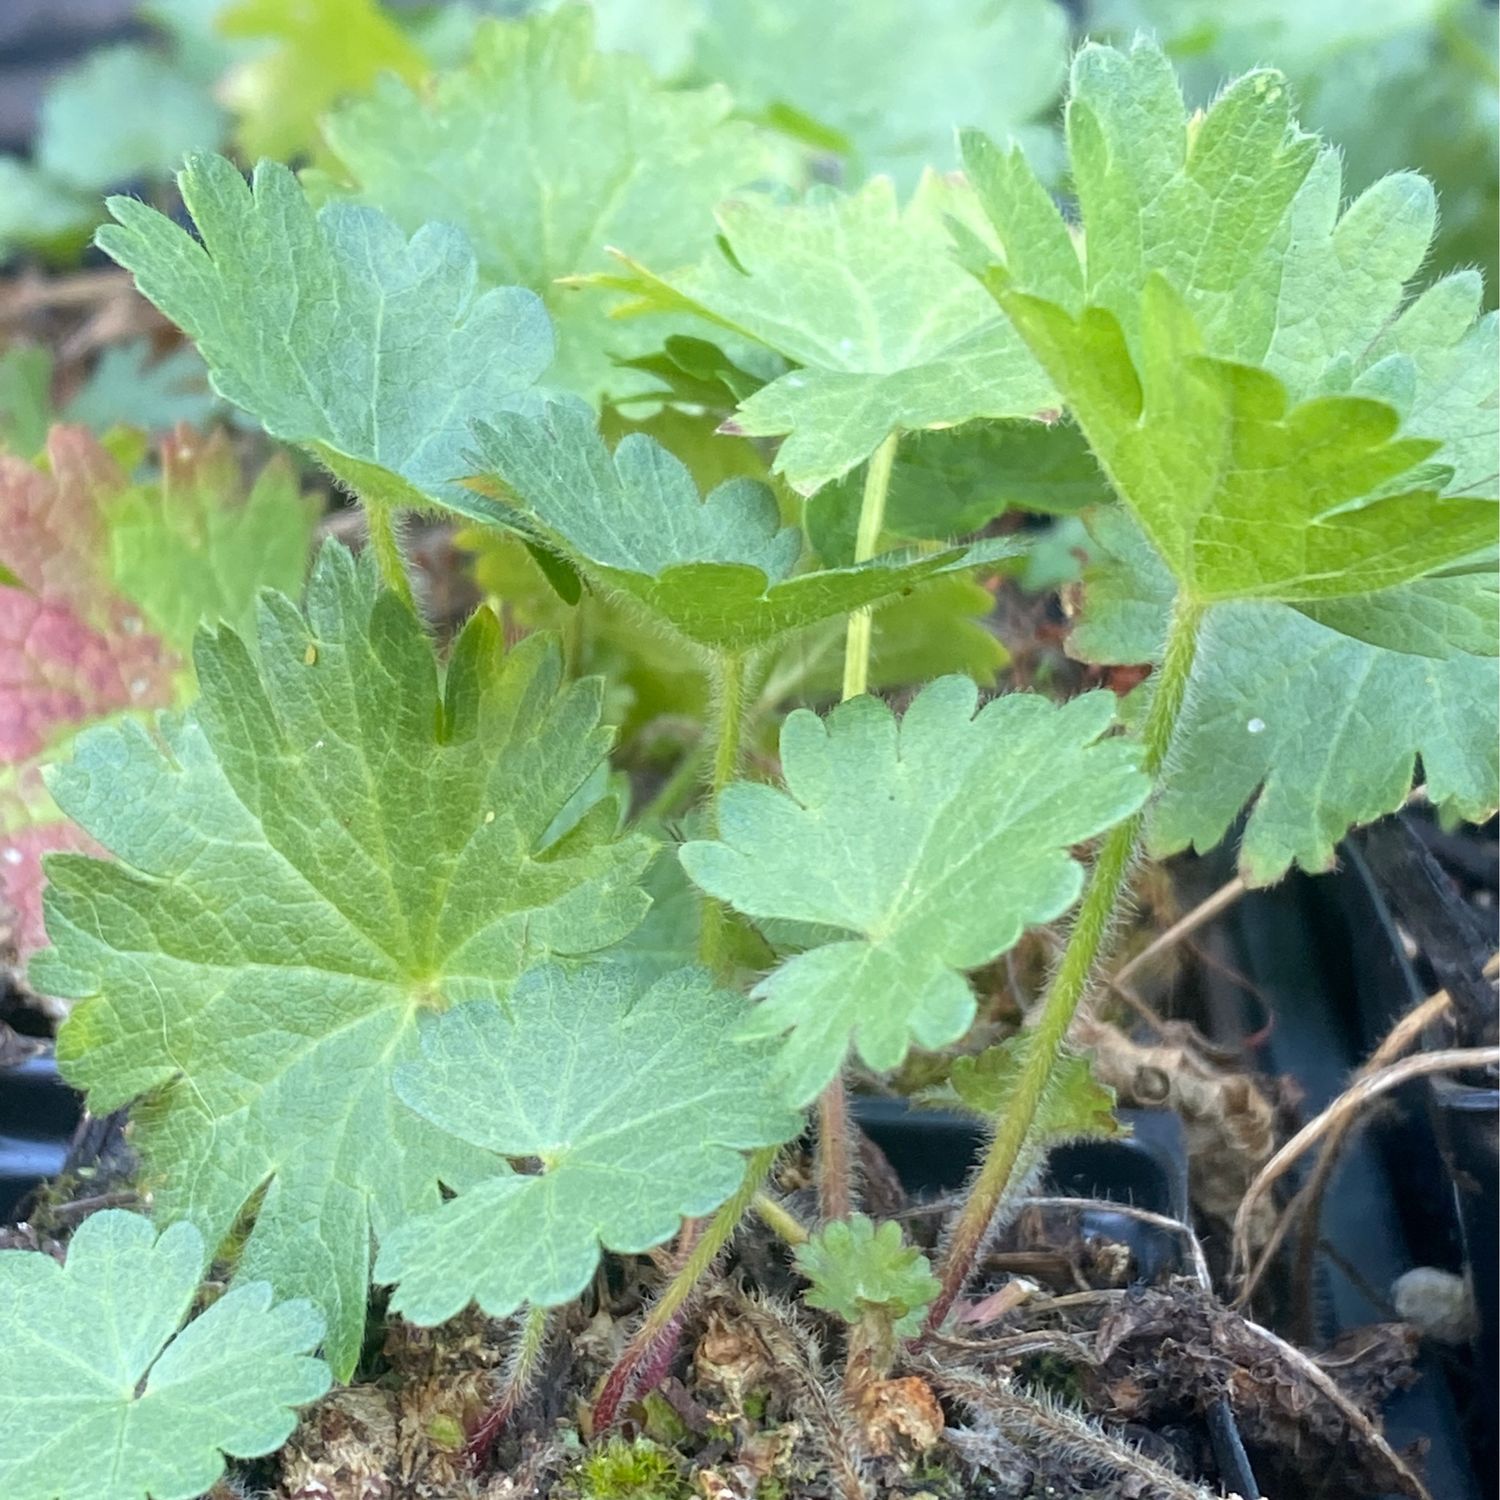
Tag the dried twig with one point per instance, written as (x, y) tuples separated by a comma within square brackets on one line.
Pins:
[(1196, 1261), (1359, 1423), (1306, 1204), (1019, 1345), (1350, 1102), (1204, 912), (81, 289)]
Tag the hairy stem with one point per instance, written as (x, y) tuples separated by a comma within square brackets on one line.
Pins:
[(386, 545), (729, 700), (1008, 1150), (835, 1169), (835, 1166), (518, 1376), (866, 539), (665, 1310), (779, 1219)]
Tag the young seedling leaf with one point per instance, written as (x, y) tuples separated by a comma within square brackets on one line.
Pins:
[(857, 1268), (1318, 725), (335, 331), (904, 79), (545, 153), (334, 839), (321, 54), (108, 580), (862, 295), (1225, 342), (1074, 1106), (106, 1393), (633, 1094), (719, 570), (1301, 448), (933, 841)]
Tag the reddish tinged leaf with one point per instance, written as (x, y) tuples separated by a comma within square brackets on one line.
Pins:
[(102, 583), (71, 651)]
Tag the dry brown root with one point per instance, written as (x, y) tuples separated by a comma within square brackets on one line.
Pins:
[(1179, 1348)]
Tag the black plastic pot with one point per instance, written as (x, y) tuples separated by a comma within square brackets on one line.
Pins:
[(1325, 978), (39, 1115), (1145, 1173)]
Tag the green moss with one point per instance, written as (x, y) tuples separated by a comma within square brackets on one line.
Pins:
[(641, 1470)]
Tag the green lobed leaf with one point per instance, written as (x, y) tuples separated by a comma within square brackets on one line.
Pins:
[(1318, 726), (125, 112), (1405, 84), (333, 840), (129, 385), (25, 399), (40, 214), (185, 556), (544, 153), (321, 53), (105, 1392), (634, 1096), (858, 1268), (1227, 346), (933, 841), (862, 296), (335, 331), (1300, 446), (905, 76), (718, 571)]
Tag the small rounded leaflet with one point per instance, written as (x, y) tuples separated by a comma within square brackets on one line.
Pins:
[(926, 844), (623, 1105), (106, 1393)]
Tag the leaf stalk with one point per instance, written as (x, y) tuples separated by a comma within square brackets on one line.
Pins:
[(1011, 1150), (835, 1168), (664, 1311), (386, 544), (729, 700), (866, 540)]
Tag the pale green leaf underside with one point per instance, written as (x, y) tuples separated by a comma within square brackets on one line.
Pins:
[(335, 331), (633, 1094), (857, 1268), (863, 295), (932, 841), (545, 153), (1318, 725), (1231, 345), (101, 1396), (327, 844), (717, 570)]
